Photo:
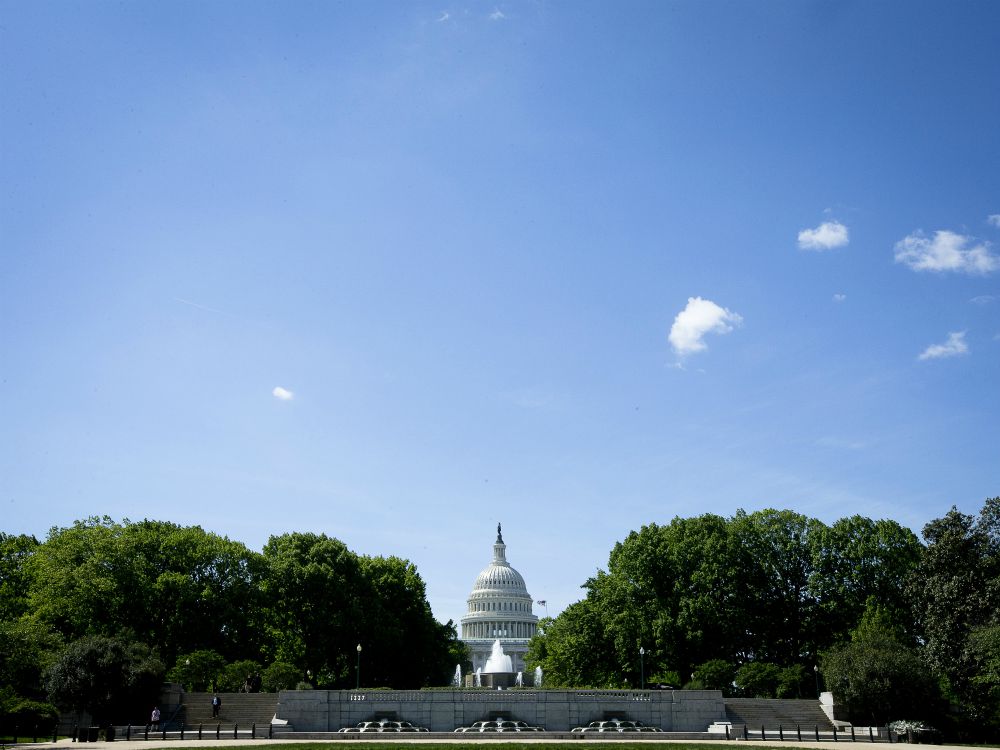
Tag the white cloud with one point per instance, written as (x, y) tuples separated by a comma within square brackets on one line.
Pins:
[(993, 219), (445, 15), (700, 317), (839, 297), (826, 236), (947, 251), (282, 394), (954, 346), (497, 15), (983, 299)]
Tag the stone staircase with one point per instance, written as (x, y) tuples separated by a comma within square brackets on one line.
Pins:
[(772, 713), (244, 709)]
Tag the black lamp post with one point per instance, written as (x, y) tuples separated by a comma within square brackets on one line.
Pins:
[(816, 675), (642, 667), (359, 668)]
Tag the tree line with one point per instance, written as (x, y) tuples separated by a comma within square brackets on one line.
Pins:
[(97, 615), (776, 604), (768, 604)]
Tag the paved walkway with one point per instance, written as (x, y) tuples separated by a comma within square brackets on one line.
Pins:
[(464, 739)]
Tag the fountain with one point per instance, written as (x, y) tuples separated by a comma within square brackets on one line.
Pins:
[(538, 677), (479, 677), (456, 681), (519, 680), (498, 661)]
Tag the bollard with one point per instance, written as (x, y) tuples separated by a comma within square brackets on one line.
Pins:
[(253, 731), (817, 732), (727, 731), (236, 729), (781, 733), (146, 733), (55, 733), (852, 734), (835, 733), (163, 731), (270, 731), (871, 737), (74, 732), (798, 731), (762, 735), (199, 731), (218, 729), (182, 731), (744, 731), (128, 733)]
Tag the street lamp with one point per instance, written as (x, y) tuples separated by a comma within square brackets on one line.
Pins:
[(359, 668), (816, 675), (642, 667)]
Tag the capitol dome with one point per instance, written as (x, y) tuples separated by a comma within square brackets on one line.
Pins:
[(499, 607), (500, 576)]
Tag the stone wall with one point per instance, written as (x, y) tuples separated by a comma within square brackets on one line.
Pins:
[(554, 710)]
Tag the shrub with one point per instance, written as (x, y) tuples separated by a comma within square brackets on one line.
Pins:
[(234, 677), (280, 676)]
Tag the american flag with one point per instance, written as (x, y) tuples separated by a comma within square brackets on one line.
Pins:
[(541, 603)]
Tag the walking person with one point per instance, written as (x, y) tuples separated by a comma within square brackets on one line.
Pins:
[(216, 705), (154, 718)]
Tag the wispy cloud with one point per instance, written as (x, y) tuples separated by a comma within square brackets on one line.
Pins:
[(497, 15), (983, 299), (282, 394), (698, 318), (826, 236), (838, 297), (993, 219), (946, 251), (445, 15), (200, 307), (840, 443), (953, 347)]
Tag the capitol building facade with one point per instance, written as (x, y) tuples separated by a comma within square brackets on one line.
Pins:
[(499, 607)]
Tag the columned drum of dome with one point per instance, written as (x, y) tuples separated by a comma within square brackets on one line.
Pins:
[(499, 607)]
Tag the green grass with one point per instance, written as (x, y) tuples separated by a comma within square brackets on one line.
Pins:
[(492, 743)]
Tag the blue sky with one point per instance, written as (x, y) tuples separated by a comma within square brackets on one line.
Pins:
[(398, 271)]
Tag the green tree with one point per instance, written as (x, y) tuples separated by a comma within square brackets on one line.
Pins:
[(770, 587), (234, 677), (858, 560), (178, 587), (877, 679), (984, 649), (672, 590), (396, 602), (106, 677), (280, 676), (315, 591), (715, 674), (198, 670), (758, 679), (27, 647), (573, 650), (15, 575), (956, 587), (778, 608)]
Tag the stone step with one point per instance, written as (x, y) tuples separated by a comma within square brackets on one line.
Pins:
[(244, 709), (773, 713)]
